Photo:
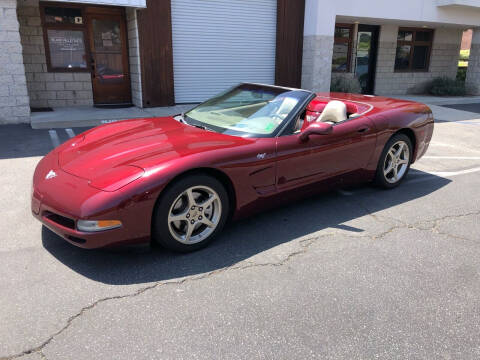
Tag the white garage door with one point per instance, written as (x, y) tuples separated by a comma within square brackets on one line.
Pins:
[(220, 43)]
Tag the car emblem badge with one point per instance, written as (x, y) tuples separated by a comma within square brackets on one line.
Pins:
[(51, 174), (261, 156)]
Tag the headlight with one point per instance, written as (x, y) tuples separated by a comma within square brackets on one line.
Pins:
[(97, 225)]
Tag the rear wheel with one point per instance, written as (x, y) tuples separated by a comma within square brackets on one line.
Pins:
[(190, 213), (394, 162)]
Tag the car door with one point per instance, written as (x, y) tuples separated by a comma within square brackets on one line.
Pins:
[(343, 152)]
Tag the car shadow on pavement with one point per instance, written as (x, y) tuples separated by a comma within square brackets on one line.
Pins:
[(244, 239)]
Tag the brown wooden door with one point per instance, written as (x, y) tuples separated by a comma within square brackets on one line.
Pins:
[(156, 54), (109, 58)]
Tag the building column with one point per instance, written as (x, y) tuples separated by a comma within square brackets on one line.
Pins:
[(134, 57), (14, 101), (318, 37), (473, 71)]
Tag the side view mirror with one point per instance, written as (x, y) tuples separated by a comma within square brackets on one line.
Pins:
[(316, 128)]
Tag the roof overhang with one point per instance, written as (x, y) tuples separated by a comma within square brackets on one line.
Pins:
[(128, 3), (459, 3), (403, 23)]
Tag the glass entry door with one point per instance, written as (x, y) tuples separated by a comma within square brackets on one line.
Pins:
[(366, 57), (109, 59)]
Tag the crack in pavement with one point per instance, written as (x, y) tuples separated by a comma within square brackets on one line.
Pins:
[(434, 228), (436, 222), (39, 348), (304, 244)]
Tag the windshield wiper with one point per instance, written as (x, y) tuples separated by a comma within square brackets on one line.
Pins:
[(201, 127), (184, 120)]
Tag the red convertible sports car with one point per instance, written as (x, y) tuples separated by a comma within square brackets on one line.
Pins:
[(177, 180)]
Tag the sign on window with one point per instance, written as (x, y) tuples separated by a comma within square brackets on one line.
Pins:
[(67, 49)]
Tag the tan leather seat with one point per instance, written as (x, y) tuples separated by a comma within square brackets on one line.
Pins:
[(334, 112)]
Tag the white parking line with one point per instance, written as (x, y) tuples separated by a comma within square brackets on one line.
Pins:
[(432, 175), (452, 157), (54, 137), (70, 133), (455, 173), (461, 148), (434, 143)]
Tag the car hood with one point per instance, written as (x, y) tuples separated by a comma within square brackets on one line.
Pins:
[(139, 143)]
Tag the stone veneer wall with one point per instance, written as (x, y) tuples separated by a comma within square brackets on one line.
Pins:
[(134, 57), (46, 88), (443, 62), (473, 71), (317, 62), (13, 90)]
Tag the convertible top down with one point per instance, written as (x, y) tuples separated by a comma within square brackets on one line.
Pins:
[(176, 180)]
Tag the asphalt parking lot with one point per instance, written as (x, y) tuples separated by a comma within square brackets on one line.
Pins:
[(359, 273)]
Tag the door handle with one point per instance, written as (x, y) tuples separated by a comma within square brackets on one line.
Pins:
[(363, 129)]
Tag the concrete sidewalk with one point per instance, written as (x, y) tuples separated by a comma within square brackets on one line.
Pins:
[(80, 116)]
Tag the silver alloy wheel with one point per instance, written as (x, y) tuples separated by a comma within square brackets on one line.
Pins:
[(396, 162), (194, 214)]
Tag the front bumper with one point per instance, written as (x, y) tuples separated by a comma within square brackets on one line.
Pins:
[(84, 240), (58, 202)]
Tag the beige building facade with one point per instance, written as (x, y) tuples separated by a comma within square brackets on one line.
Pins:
[(416, 41), (88, 53)]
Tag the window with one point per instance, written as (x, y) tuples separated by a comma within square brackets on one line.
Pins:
[(249, 110), (64, 38), (62, 15), (342, 48), (413, 49)]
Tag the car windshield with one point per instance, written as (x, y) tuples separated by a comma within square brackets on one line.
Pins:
[(248, 110)]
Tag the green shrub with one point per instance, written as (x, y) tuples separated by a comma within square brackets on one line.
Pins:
[(444, 86), (345, 84), (462, 74)]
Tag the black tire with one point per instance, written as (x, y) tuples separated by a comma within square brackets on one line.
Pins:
[(162, 231), (383, 180)]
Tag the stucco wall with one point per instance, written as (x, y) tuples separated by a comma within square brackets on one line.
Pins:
[(13, 90), (443, 62), (421, 11)]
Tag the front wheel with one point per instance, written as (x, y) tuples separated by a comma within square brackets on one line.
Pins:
[(190, 213), (394, 162)]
